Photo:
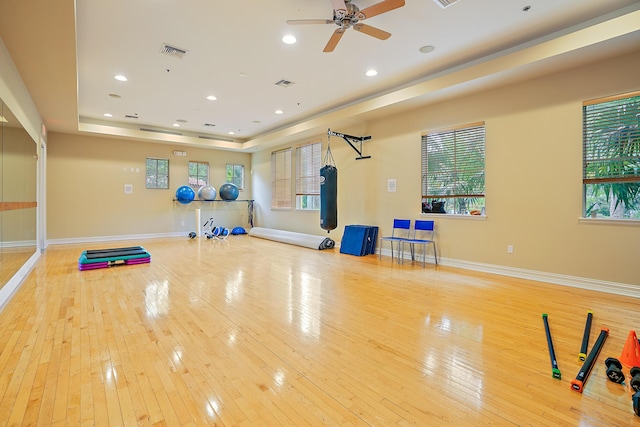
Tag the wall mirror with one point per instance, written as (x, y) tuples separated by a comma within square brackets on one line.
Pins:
[(18, 176)]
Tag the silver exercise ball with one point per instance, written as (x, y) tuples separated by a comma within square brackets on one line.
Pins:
[(207, 192)]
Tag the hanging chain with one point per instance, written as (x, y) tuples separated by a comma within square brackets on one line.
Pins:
[(328, 157)]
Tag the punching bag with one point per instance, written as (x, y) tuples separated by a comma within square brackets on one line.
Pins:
[(328, 197)]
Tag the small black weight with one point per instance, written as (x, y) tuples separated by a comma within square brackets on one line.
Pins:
[(614, 370), (636, 403), (635, 378), (192, 235)]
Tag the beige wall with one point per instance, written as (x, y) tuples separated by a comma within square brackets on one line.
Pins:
[(85, 188), (533, 181), (533, 178)]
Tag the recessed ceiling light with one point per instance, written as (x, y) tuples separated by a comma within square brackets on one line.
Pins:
[(211, 98), (289, 39), (371, 73), (279, 112), (120, 78), (427, 49), (108, 115), (176, 125), (231, 132)]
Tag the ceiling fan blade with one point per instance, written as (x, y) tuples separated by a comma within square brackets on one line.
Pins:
[(378, 8), (333, 41), (309, 21), (372, 31)]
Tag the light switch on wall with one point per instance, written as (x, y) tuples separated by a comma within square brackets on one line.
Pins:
[(128, 189)]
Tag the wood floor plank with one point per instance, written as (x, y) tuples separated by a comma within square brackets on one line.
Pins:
[(252, 332)]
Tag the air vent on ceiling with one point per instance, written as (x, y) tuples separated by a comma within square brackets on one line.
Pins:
[(283, 83), (445, 3), (176, 52), (129, 116), (168, 132), (216, 138), (209, 124)]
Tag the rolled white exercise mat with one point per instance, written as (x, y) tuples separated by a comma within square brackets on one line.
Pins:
[(293, 238), (198, 228)]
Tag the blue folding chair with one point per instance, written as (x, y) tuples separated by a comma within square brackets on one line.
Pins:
[(423, 231), (400, 233)]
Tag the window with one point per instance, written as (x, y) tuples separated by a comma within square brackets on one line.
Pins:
[(198, 174), (308, 159), (235, 175), (157, 173), (611, 156), (281, 179), (453, 169)]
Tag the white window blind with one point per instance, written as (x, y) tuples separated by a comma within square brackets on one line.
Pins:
[(281, 179), (453, 163), (611, 140), (308, 164)]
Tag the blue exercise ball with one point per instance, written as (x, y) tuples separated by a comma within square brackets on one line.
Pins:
[(207, 192), (185, 194), (229, 191)]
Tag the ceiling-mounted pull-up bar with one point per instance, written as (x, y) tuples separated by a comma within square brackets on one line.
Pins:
[(351, 140)]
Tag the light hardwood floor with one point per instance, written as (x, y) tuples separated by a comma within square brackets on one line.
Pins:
[(251, 332)]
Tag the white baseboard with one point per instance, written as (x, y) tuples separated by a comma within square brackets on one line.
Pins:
[(539, 276), (98, 239), (18, 244)]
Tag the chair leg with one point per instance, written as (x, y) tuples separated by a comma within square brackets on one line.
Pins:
[(435, 253)]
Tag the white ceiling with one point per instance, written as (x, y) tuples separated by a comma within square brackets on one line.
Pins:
[(235, 52)]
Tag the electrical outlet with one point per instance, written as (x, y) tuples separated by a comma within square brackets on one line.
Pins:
[(510, 249)]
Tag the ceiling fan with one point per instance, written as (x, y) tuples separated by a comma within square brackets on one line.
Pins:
[(347, 15)]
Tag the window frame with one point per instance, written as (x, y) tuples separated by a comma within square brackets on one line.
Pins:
[(156, 175), (611, 157), (198, 176), (234, 167), (308, 169), (460, 181)]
